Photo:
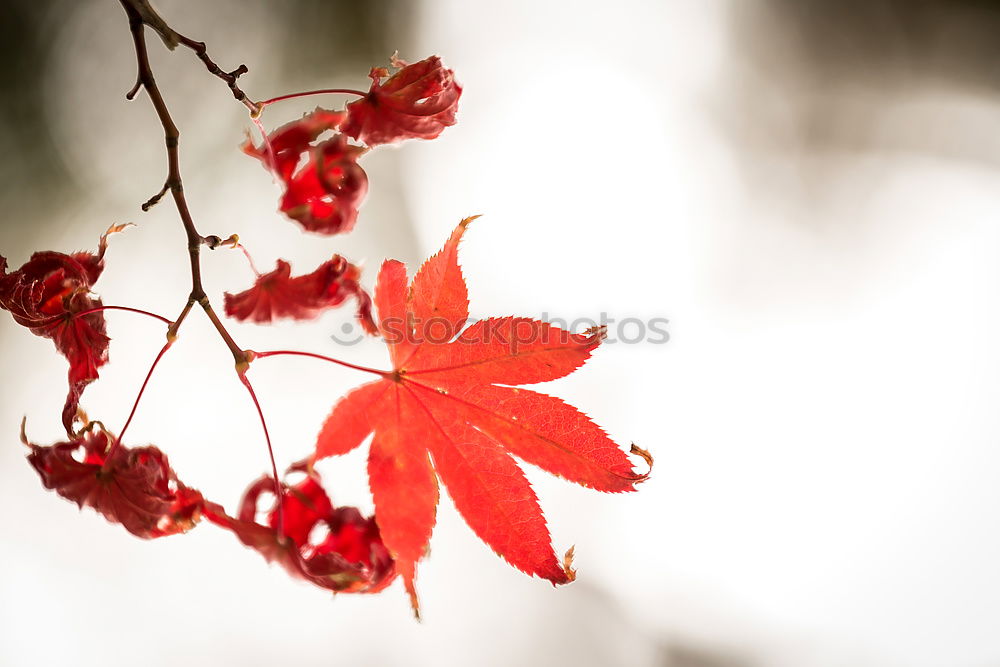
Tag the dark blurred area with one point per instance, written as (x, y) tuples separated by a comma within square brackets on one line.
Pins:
[(883, 40), (327, 37), (348, 36), (35, 181), (820, 75)]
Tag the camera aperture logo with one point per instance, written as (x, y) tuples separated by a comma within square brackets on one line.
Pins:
[(439, 330)]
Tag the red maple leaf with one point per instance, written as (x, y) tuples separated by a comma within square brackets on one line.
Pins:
[(324, 193), (334, 548), (417, 102), (277, 294), (46, 295), (447, 400), (132, 486)]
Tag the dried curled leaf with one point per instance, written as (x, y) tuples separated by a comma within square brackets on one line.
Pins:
[(46, 295), (278, 295), (333, 548), (323, 184), (417, 102), (132, 486)]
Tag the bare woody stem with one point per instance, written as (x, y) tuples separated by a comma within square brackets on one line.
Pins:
[(174, 184), (229, 77)]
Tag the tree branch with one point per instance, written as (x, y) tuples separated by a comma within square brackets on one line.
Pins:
[(137, 24), (230, 78), (174, 184)]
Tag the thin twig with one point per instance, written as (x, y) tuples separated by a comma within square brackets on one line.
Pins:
[(171, 138), (174, 184), (230, 78), (155, 199)]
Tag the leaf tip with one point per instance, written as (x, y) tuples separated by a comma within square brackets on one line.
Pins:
[(567, 564), (591, 338), (396, 61), (599, 332), (390, 264), (411, 590), (102, 245), (468, 221), (114, 229), (647, 457)]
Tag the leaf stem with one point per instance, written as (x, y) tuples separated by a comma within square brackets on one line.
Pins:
[(246, 253), (98, 309), (322, 91), (135, 405), (268, 149), (312, 355), (127, 309), (270, 452)]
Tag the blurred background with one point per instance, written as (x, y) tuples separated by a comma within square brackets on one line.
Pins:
[(807, 190)]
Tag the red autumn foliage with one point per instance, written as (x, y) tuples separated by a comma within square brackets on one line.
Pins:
[(417, 102), (285, 145), (132, 486), (447, 411), (447, 399), (324, 185), (277, 295), (347, 557), (46, 294)]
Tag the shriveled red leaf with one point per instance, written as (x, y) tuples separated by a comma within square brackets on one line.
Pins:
[(447, 396), (46, 294), (334, 548), (132, 486), (323, 184), (284, 147), (325, 195), (278, 295), (417, 102)]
